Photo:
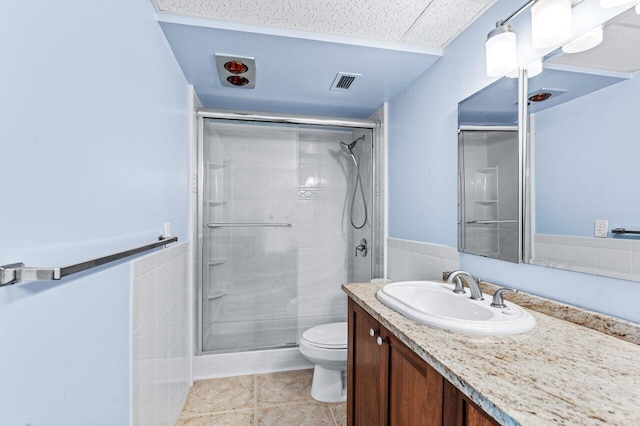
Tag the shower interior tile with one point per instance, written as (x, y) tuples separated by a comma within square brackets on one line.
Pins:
[(333, 175), (309, 151), (309, 175)]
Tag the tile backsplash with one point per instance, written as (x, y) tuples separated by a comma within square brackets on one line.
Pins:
[(159, 336), (414, 260), (610, 257)]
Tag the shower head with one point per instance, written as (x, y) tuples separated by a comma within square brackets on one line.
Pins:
[(348, 148)]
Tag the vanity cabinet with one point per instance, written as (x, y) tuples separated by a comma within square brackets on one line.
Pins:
[(388, 384)]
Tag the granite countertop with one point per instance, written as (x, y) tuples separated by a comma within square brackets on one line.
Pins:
[(560, 373)]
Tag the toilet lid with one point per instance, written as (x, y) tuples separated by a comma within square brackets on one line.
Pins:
[(332, 335)]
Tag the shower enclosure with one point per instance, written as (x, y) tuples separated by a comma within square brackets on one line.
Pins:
[(488, 191), (276, 240)]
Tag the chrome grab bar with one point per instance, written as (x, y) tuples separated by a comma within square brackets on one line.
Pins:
[(488, 222), (16, 272), (246, 225)]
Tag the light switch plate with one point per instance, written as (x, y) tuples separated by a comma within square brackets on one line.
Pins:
[(601, 228)]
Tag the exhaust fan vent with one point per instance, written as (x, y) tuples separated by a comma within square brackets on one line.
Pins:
[(344, 80)]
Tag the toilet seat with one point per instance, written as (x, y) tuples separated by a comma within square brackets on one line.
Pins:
[(327, 336)]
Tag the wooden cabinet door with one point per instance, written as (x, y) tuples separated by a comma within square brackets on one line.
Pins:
[(415, 388), (461, 411), (366, 372)]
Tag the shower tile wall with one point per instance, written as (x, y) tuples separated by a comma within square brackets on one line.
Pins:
[(276, 174), (322, 225), (250, 294), (360, 266)]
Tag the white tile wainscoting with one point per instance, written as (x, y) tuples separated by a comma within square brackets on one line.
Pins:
[(610, 257), (414, 260), (159, 336)]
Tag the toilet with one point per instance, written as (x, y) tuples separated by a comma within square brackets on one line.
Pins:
[(326, 347)]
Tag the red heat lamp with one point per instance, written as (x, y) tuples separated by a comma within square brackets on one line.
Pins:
[(236, 67), (237, 80)]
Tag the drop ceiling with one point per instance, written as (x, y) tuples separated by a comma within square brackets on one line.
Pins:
[(299, 46), (430, 23), (618, 50)]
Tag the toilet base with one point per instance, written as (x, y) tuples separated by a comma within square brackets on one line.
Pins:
[(329, 385)]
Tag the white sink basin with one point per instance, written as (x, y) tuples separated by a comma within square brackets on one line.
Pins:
[(435, 304)]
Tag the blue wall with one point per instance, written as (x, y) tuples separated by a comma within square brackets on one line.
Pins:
[(423, 169), (589, 155), (94, 160)]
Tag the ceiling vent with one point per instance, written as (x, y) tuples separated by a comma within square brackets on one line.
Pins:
[(344, 80)]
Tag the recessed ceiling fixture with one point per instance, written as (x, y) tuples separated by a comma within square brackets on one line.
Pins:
[(586, 41), (236, 71)]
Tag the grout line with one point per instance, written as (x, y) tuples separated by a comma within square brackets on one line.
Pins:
[(255, 400), (333, 416)]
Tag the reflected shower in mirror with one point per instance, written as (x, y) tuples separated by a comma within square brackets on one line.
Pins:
[(488, 172), (585, 156)]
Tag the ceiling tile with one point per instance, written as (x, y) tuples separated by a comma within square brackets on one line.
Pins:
[(443, 20), (370, 19)]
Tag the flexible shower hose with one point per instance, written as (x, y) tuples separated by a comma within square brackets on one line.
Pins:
[(353, 199)]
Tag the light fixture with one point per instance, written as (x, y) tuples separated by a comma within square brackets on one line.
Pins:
[(237, 80), (613, 3), (501, 51), (540, 97), (550, 23), (638, 9), (236, 67), (236, 71), (586, 41)]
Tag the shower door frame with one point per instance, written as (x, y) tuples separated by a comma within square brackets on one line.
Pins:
[(247, 116)]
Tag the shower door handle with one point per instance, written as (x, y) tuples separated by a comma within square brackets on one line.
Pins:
[(362, 248)]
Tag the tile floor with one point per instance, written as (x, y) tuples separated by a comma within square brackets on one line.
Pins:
[(265, 399)]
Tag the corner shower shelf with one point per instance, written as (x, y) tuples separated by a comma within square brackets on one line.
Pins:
[(486, 202), (216, 295), (214, 166), (217, 262), (486, 170), (216, 203)]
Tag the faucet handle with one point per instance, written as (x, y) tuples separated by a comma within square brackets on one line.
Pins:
[(459, 287), (498, 300)]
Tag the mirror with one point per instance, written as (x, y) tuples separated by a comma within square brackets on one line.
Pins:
[(488, 172), (584, 154)]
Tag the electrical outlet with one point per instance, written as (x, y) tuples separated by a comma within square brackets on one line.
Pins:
[(167, 229), (601, 228)]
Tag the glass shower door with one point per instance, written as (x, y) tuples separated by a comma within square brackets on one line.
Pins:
[(249, 249)]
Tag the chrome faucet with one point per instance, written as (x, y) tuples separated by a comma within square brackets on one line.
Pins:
[(460, 276)]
